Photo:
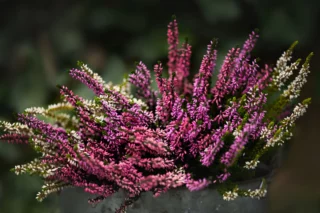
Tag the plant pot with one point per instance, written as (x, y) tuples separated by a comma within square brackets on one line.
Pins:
[(180, 200)]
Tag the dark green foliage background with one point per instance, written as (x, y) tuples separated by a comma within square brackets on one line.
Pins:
[(40, 40)]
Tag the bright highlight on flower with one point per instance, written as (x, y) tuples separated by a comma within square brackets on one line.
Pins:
[(185, 133)]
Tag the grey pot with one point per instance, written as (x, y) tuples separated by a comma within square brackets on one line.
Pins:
[(179, 200)]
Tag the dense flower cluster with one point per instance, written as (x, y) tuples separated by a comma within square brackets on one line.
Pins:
[(184, 133)]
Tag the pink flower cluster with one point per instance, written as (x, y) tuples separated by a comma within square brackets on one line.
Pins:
[(185, 133)]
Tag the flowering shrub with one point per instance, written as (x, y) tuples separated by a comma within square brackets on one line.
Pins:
[(185, 133)]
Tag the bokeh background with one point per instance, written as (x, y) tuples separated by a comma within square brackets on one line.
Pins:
[(41, 40)]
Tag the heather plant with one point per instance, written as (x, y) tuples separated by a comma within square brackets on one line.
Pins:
[(186, 133)]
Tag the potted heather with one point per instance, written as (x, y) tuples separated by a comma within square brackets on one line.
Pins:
[(189, 146)]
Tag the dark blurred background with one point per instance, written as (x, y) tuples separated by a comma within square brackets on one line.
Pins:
[(41, 40)]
